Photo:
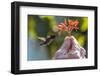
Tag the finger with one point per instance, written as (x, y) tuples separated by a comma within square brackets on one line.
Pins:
[(68, 43), (75, 44), (74, 55), (82, 52)]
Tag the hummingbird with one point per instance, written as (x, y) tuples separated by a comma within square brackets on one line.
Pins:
[(47, 40)]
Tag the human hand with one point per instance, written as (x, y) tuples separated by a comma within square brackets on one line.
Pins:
[(70, 49)]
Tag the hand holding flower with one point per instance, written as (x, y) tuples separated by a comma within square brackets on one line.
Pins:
[(70, 49)]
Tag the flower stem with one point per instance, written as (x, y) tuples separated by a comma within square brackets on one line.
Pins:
[(69, 33)]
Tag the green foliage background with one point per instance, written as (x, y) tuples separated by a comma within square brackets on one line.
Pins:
[(43, 26)]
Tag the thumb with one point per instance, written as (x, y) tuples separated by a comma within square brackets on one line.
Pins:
[(75, 44)]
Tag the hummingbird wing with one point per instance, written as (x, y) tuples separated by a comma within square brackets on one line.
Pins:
[(42, 39), (46, 41)]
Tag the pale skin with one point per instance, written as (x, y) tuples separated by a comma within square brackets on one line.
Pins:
[(70, 49)]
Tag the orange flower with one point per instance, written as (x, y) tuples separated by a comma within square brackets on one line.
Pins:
[(73, 25), (68, 27), (62, 26)]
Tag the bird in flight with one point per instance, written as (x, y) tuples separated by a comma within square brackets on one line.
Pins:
[(47, 40)]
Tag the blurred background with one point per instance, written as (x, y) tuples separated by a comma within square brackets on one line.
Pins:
[(43, 26)]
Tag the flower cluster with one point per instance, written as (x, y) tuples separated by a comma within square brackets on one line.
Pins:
[(68, 27)]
